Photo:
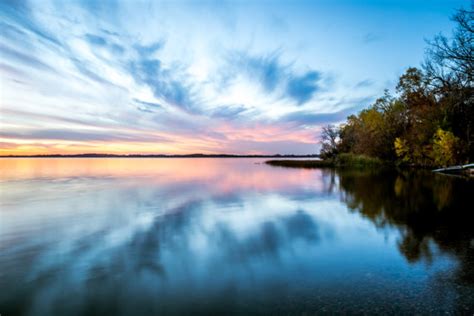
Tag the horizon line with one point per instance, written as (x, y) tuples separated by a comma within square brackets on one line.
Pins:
[(195, 155)]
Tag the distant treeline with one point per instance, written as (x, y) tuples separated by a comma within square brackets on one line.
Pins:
[(95, 155), (429, 121)]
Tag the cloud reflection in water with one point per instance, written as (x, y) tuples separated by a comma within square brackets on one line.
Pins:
[(128, 236)]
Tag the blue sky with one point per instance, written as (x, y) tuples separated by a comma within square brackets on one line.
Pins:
[(199, 76)]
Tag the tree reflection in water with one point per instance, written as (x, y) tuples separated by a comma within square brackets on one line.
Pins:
[(432, 212)]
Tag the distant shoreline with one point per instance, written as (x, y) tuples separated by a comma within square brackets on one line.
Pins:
[(306, 164), (158, 156)]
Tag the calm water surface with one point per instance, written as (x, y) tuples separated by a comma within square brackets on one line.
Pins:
[(230, 236)]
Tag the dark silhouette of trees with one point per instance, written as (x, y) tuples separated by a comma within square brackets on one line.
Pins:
[(329, 136), (450, 62), (432, 213)]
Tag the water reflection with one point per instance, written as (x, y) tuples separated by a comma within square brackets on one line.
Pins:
[(432, 212), (231, 236)]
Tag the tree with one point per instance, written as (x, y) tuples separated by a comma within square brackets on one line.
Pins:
[(444, 148), (449, 66), (450, 62), (348, 135), (402, 150), (430, 121), (329, 136), (373, 131)]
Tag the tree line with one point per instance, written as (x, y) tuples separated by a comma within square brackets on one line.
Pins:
[(429, 120)]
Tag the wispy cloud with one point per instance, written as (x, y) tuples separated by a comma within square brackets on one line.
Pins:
[(167, 84), (364, 83), (18, 57), (371, 37), (274, 76), (228, 111), (301, 88)]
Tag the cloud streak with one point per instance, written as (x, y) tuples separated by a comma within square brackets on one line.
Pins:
[(274, 76)]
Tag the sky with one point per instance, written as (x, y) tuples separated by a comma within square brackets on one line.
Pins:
[(181, 77)]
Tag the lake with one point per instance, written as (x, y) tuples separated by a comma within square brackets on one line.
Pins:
[(117, 236)]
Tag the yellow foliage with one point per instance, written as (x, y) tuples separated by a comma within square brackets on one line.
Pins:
[(444, 148), (402, 149)]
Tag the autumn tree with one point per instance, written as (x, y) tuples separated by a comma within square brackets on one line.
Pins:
[(449, 67), (430, 120)]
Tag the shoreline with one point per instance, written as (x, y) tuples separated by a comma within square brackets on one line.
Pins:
[(306, 164), (463, 170), (160, 156)]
